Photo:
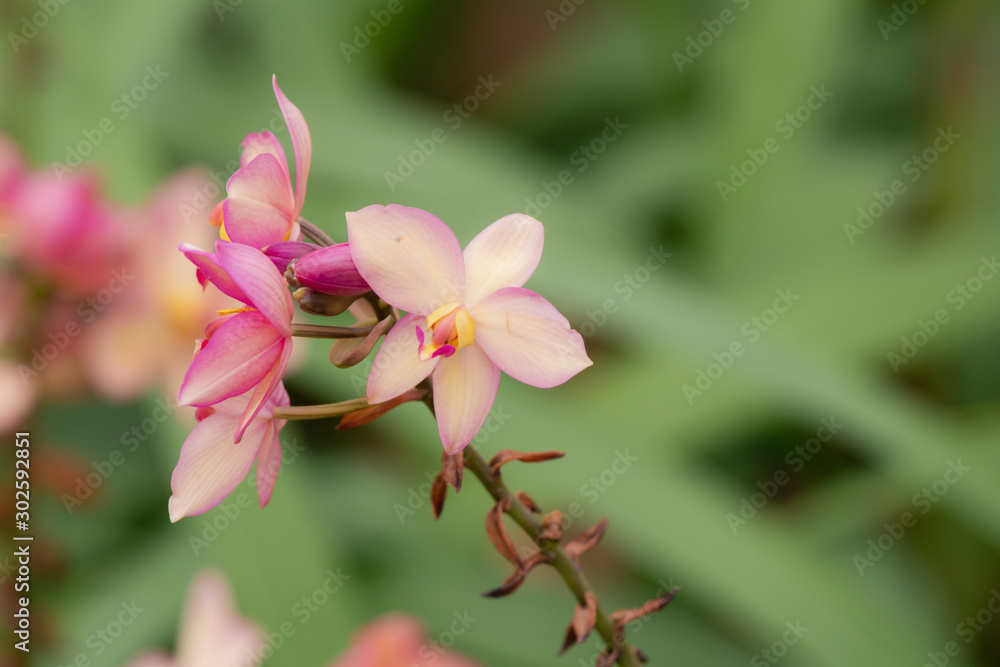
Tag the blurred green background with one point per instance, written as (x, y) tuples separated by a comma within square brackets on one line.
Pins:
[(700, 93)]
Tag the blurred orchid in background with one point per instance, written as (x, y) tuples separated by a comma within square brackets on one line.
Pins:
[(395, 640), (212, 633)]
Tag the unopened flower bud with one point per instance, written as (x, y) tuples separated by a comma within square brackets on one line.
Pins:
[(318, 303), (330, 270)]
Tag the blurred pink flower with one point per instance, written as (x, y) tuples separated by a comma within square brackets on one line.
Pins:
[(247, 349), (262, 207), (212, 632), (145, 338), (63, 233), (212, 463), (396, 640), (469, 318)]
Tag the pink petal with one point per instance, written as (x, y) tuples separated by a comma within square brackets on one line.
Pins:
[(254, 223), (397, 366), (409, 257), (505, 254), (268, 464), (465, 386), (528, 338), (209, 268), (237, 356), (301, 144), (212, 631), (264, 286), (211, 465), (263, 180), (257, 143), (331, 270), (262, 392)]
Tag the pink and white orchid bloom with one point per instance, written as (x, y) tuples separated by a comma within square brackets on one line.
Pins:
[(262, 207), (213, 463), (247, 348), (212, 632), (469, 316)]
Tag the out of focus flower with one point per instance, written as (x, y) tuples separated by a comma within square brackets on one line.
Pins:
[(213, 463), (262, 207), (396, 640), (469, 318), (212, 632), (248, 349), (63, 234), (146, 338)]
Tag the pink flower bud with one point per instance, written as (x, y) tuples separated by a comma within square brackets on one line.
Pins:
[(330, 270)]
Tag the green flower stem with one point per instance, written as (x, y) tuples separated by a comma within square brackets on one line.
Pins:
[(571, 573), (320, 411), (322, 331), (315, 233)]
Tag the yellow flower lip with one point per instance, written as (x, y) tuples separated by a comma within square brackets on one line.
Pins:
[(449, 329)]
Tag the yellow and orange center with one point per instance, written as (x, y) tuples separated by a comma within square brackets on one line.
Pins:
[(449, 329)]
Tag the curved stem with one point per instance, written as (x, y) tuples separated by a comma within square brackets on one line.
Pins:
[(570, 572), (322, 331), (320, 411), (315, 233)]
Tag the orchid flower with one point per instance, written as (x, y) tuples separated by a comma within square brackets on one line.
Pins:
[(247, 348), (395, 640), (213, 463), (212, 632), (262, 207), (469, 316)]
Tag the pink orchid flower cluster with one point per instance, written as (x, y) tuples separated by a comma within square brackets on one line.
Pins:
[(467, 318)]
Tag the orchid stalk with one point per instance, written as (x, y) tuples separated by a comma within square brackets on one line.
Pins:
[(452, 320)]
